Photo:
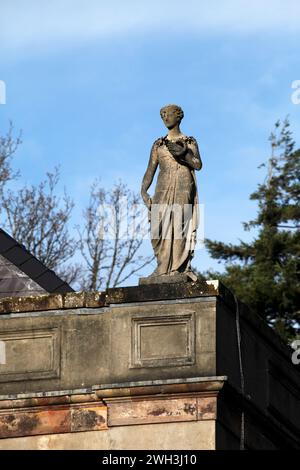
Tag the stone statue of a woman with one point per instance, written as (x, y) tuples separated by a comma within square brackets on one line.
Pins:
[(173, 210)]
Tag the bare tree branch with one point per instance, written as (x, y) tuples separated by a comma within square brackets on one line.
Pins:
[(8, 147), (111, 237), (38, 219)]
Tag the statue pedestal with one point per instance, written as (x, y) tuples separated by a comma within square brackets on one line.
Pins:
[(168, 278), (164, 356)]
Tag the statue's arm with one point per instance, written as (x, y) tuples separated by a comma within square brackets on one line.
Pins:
[(149, 175), (192, 156)]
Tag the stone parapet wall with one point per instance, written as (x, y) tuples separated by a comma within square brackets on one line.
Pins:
[(138, 357)]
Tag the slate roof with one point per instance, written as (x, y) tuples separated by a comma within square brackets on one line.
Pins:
[(18, 264)]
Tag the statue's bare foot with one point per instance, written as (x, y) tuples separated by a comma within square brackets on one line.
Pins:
[(191, 275)]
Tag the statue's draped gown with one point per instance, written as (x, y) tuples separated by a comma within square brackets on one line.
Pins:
[(173, 232)]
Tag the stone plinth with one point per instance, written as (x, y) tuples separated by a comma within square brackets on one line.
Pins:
[(168, 278), (86, 370)]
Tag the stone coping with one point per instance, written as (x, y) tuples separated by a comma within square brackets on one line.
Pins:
[(125, 389), (76, 300)]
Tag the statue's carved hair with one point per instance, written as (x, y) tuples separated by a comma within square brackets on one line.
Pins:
[(175, 108)]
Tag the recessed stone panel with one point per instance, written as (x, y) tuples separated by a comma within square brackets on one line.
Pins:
[(29, 355), (163, 340)]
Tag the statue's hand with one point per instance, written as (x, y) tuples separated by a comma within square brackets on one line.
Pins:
[(148, 203), (177, 149), (147, 199)]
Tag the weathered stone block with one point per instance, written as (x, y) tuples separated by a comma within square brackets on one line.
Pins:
[(32, 422)]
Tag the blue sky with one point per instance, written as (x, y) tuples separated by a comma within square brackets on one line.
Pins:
[(85, 82)]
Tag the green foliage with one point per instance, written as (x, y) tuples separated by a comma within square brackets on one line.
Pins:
[(265, 274)]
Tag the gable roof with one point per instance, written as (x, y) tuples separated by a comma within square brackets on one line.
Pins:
[(17, 255)]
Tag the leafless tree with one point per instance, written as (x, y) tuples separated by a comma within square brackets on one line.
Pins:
[(112, 237), (8, 147), (70, 272), (36, 217)]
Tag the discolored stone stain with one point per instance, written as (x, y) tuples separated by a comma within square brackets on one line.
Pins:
[(209, 408), (13, 425), (86, 420), (206, 410), (190, 409), (159, 412), (28, 423), (9, 419)]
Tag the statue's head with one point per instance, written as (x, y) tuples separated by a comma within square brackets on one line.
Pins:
[(171, 115)]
